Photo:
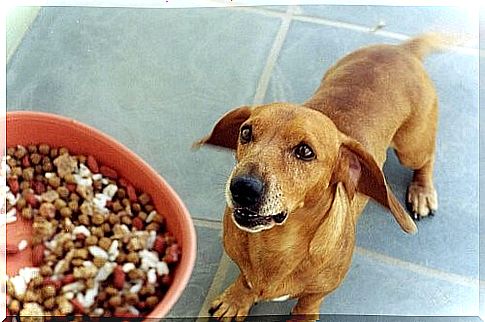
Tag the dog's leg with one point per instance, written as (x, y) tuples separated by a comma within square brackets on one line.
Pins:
[(415, 147), (308, 307), (234, 302)]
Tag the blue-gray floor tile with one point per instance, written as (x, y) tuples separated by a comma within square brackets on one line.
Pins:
[(209, 252), (376, 288), (156, 80), (406, 19), (450, 240)]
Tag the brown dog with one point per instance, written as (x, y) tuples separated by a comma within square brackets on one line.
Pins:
[(304, 174)]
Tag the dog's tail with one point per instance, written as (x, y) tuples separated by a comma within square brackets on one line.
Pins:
[(428, 43)]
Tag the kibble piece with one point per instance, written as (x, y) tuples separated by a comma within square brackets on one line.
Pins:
[(54, 182), (28, 174), (149, 208), (153, 226), (136, 207), (27, 213), (24, 185), (111, 290), (63, 150), (121, 193), (98, 219), (102, 296), (44, 149), (63, 192), (115, 301), (59, 204), (66, 212), (131, 298), (38, 169), (20, 152), (121, 258), (152, 301), (68, 245), (48, 291), (14, 306), (35, 158), (113, 219), (50, 303), (74, 205), (32, 148), (99, 262), (144, 199), (45, 270), (126, 220), (47, 167), (117, 207), (104, 243), (77, 262), (106, 227), (136, 274), (37, 280), (30, 296), (142, 215), (133, 257), (81, 253)]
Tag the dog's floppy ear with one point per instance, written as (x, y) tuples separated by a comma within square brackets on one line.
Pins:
[(225, 133), (359, 172)]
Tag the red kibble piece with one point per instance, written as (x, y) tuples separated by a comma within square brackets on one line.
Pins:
[(68, 279), (78, 308), (172, 254), (130, 191), (39, 187), (13, 183), (166, 280), (92, 164), (31, 200), (137, 223), (118, 277), (108, 172), (160, 245), (25, 161), (71, 187), (123, 183)]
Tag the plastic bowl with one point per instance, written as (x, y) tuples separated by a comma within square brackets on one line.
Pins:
[(35, 127)]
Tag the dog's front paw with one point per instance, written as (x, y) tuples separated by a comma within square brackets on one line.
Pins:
[(234, 303), (422, 201)]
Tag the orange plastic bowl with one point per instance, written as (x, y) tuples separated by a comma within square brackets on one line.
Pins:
[(35, 127)]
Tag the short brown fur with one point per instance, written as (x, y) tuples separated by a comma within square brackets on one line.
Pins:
[(374, 98)]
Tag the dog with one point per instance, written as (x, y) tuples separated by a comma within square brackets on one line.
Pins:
[(304, 173)]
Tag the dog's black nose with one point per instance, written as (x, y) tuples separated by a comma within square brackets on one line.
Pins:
[(246, 190)]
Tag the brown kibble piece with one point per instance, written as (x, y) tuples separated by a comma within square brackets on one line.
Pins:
[(84, 220), (133, 257), (106, 227), (28, 174), (44, 149), (14, 306), (48, 291), (27, 213), (131, 298), (49, 303), (97, 219), (104, 243), (152, 301), (54, 182), (98, 261), (143, 199), (113, 219), (91, 240), (45, 270), (115, 301), (59, 203), (35, 158), (32, 148), (66, 212), (63, 192)]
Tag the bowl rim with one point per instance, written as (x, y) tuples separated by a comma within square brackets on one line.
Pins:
[(189, 248)]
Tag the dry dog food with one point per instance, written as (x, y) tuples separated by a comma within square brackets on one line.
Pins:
[(99, 247)]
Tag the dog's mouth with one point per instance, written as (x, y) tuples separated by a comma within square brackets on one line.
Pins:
[(251, 221)]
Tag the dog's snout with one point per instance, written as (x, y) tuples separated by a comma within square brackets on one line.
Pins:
[(246, 190)]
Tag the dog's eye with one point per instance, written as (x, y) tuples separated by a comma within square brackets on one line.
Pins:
[(246, 134), (304, 152)]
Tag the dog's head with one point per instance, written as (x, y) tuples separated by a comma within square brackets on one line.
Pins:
[(287, 156)]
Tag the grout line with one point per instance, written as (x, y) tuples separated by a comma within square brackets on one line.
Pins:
[(273, 57), (351, 26), (420, 269), (206, 223), (215, 287)]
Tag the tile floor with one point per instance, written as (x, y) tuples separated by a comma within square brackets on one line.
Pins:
[(157, 79)]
